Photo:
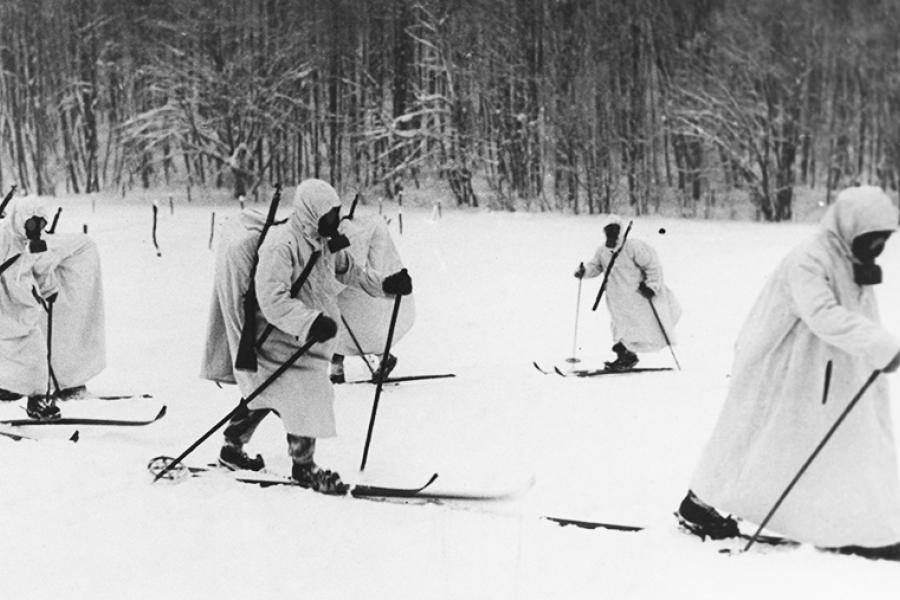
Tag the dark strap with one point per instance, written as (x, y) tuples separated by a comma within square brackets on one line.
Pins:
[(9, 262), (304, 274), (295, 289)]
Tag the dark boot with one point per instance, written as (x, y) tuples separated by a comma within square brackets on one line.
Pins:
[(625, 358), (313, 477), (704, 521), (388, 363), (235, 459), (8, 396), (42, 408)]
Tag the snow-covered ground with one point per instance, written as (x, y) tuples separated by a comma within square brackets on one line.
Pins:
[(494, 291)]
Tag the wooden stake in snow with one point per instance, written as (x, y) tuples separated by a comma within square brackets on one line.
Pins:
[(212, 228), (171, 205), (400, 211), (155, 213), (241, 201)]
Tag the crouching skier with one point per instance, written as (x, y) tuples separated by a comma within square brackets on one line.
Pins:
[(78, 338), (364, 324), (811, 340), (25, 283), (634, 280), (302, 396)]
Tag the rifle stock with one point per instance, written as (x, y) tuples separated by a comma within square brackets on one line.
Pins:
[(356, 198), (246, 353), (6, 200), (609, 267)]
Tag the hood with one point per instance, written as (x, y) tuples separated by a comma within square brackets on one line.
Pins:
[(312, 199), (19, 211), (12, 230), (859, 210)]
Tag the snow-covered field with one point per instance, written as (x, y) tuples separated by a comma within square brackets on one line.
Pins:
[(494, 291)]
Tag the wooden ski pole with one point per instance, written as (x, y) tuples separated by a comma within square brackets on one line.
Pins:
[(574, 358), (665, 335), (244, 402), (384, 357), (356, 343)]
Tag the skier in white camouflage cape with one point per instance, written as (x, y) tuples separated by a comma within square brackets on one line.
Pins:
[(302, 396), (25, 284), (635, 280), (365, 319), (818, 308)]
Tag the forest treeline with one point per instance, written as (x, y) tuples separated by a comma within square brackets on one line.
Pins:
[(551, 104)]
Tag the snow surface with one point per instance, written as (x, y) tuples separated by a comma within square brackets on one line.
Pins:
[(494, 292)]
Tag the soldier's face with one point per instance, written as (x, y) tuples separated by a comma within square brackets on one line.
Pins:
[(612, 235), (328, 223), (869, 246)]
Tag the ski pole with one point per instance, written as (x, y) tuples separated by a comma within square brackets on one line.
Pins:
[(244, 402), (812, 456), (46, 304), (356, 343), (49, 395), (665, 335), (574, 358), (387, 352)]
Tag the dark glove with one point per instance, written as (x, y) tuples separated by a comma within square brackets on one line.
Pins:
[(579, 272), (323, 329), (398, 284), (52, 297), (645, 291)]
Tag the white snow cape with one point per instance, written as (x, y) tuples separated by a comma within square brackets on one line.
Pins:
[(632, 320), (303, 395), (811, 312), (71, 266), (369, 317)]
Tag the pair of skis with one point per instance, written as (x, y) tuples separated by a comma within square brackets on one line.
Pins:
[(88, 421), (768, 540), (596, 372), (265, 479), (403, 378)]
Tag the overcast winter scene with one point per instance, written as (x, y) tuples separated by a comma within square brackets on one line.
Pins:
[(449, 299)]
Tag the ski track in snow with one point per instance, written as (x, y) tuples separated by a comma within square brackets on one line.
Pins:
[(494, 291)]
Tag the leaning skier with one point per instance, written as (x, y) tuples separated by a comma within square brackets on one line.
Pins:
[(302, 396), (78, 336), (27, 282), (817, 309), (364, 319), (634, 281)]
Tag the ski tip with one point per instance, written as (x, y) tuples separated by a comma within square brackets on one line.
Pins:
[(558, 372), (433, 478), (161, 413), (74, 437), (563, 522)]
